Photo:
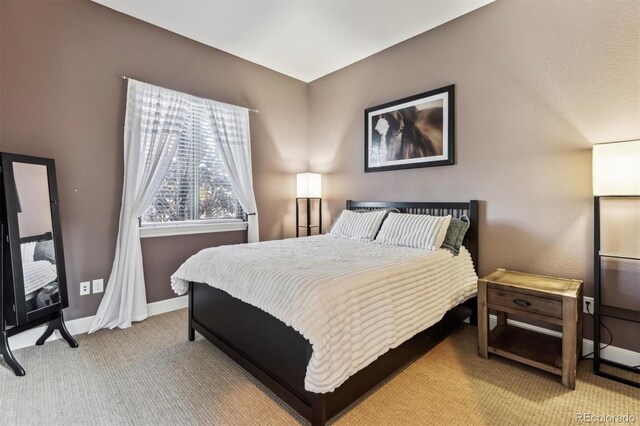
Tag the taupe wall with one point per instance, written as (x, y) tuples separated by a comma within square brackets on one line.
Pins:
[(61, 97), (32, 187), (165, 262), (537, 84)]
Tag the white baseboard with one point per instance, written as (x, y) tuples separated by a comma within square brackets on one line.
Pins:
[(164, 306), (81, 325), (611, 353)]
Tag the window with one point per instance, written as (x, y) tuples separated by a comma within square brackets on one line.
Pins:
[(196, 189)]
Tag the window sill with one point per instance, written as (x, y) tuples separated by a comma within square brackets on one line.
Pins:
[(191, 228)]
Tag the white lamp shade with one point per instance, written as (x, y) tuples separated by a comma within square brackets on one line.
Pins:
[(309, 185), (616, 168)]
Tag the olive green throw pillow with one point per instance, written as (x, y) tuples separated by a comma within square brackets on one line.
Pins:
[(455, 234)]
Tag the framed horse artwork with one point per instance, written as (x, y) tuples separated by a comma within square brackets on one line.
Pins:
[(412, 132)]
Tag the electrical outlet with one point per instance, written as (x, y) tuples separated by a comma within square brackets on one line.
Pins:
[(587, 301), (85, 288), (98, 285)]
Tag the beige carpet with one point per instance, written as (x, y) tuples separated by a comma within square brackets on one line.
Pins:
[(151, 375)]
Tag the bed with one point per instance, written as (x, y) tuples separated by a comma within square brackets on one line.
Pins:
[(279, 356)]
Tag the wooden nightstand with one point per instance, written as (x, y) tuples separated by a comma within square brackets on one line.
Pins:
[(537, 297)]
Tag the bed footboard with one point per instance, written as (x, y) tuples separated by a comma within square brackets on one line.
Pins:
[(271, 345), (278, 356)]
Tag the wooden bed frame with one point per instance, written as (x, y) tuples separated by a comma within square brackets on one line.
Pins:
[(277, 355), (37, 238)]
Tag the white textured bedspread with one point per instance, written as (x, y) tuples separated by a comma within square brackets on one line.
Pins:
[(352, 300)]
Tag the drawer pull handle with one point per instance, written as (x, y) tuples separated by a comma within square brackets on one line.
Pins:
[(521, 302)]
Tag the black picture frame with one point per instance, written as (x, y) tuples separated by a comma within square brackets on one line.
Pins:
[(414, 148), (13, 260)]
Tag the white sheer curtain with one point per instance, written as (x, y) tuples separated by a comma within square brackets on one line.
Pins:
[(230, 126), (155, 118)]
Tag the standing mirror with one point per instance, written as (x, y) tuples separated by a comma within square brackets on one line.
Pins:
[(34, 279), (35, 229)]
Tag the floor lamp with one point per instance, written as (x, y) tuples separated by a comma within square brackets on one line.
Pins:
[(309, 188), (616, 174)]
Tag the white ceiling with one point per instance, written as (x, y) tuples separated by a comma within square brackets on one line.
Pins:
[(304, 39)]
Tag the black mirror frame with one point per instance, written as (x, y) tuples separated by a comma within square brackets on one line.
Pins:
[(16, 273)]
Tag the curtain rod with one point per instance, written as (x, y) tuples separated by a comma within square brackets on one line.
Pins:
[(124, 77)]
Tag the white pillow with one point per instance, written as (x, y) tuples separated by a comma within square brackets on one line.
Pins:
[(27, 250), (414, 230), (358, 226)]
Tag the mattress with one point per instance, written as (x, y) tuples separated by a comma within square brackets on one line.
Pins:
[(352, 300)]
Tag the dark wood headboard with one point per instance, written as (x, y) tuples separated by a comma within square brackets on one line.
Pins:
[(37, 238), (455, 209)]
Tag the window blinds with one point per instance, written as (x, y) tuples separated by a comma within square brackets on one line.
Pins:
[(197, 185)]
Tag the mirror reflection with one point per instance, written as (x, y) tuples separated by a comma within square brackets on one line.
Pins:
[(36, 235)]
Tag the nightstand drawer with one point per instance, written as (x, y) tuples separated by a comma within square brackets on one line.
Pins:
[(525, 302)]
